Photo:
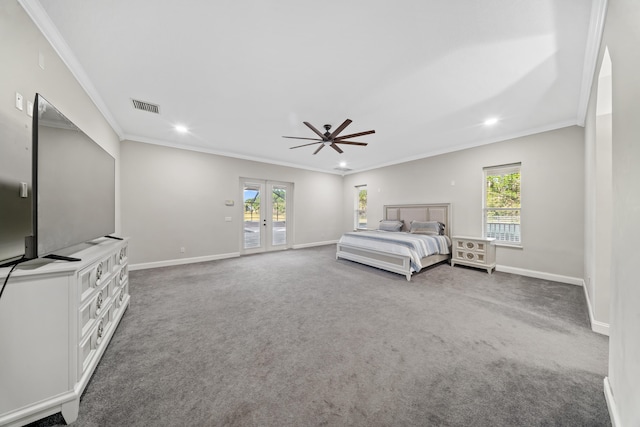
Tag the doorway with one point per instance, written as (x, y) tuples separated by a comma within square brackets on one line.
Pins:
[(266, 215)]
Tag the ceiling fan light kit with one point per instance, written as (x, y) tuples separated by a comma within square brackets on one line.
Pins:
[(331, 139)]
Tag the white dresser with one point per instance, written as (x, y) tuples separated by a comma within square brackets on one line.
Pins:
[(474, 252), (56, 320)]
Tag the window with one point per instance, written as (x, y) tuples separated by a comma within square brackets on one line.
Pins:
[(502, 203), (360, 217)]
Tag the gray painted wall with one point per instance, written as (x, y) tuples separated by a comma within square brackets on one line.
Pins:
[(174, 198), (622, 37), (552, 195), (598, 200), (21, 43)]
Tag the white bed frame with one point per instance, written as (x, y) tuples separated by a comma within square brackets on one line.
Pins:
[(398, 263)]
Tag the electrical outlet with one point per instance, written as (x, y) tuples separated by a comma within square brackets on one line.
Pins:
[(182, 250)]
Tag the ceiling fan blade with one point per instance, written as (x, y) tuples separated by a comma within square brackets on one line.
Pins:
[(319, 148), (298, 137), (335, 147), (353, 135), (304, 145), (350, 143), (339, 129), (310, 126)]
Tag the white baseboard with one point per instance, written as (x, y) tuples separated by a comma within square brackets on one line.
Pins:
[(596, 325), (611, 404), (541, 275), (181, 261), (311, 245)]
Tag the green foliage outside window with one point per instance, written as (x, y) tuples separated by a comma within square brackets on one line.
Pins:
[(503, 191), (362, 200), (252, 205), (362, 207), (279, 203)]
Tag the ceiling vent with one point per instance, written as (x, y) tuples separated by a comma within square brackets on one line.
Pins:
[(146, 106)]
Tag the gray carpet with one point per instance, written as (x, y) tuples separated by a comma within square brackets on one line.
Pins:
[(297, 338)]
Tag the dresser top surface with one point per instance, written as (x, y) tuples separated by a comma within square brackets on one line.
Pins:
[(87, 252)]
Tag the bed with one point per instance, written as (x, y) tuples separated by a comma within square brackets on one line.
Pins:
[(401, 252)]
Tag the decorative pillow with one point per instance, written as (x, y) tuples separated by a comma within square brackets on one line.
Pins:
[(427, 227), (390, 225)]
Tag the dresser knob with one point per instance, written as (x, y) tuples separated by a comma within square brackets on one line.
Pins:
[(99, 302), (99, 332), (98, 275)]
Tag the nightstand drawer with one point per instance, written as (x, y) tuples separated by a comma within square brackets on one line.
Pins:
[(471, 245)]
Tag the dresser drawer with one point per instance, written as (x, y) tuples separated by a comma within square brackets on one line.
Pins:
[(91, 343), (122, 255), (123, 274), (93, 309), (94, 276), (120, 299)]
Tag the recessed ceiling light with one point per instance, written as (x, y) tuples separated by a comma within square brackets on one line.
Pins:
[(490, 122), (181, 129), (343, 164)]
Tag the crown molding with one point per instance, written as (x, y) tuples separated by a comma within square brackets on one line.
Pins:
[(591, 54), (200, 149), (40, 17), (473, 144)]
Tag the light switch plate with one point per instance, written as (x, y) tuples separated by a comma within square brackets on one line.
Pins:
[(24, 190), (19, 101)]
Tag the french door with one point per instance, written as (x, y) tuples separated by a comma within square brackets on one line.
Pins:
[(266, 215)]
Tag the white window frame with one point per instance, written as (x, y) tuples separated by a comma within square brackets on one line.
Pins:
[(508, 233)]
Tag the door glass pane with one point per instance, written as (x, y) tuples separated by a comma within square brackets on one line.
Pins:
[(252, 218), (279, 215)]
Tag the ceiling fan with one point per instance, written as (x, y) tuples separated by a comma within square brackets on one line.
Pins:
[(331, 139)]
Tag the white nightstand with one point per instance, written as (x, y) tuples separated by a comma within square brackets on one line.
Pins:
[(474, 252)]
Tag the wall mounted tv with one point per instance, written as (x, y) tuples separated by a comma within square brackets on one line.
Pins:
[(73, 180)]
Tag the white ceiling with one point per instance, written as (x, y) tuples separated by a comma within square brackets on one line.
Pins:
[(241, 74)]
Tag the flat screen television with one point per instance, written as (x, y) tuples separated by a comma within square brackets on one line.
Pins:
[(73, 181)]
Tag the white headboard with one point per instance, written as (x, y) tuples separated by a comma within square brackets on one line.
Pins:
[(427, 212)]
